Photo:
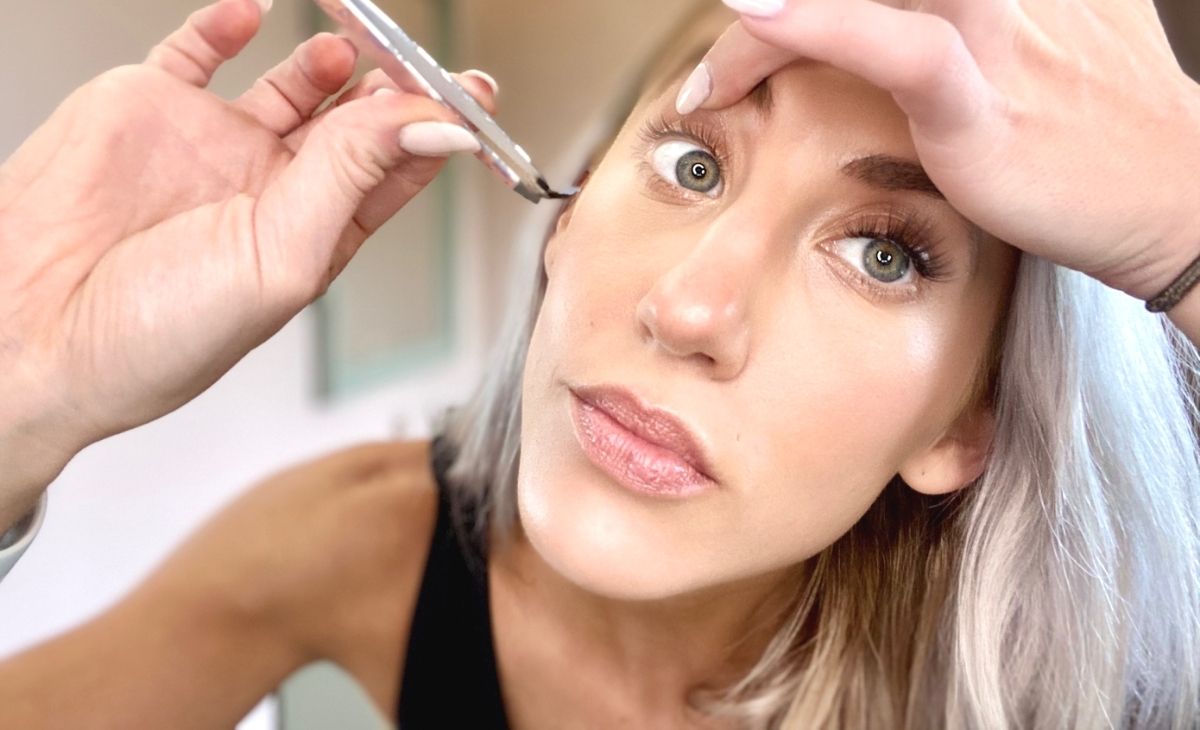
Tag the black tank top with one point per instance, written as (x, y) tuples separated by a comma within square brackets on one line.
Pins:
[(450, 677)]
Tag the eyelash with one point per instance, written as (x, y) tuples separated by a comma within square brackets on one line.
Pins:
[(913, 234), (661, 129)]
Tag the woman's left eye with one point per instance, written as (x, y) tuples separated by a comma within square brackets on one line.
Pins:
[(882, 260), (688, 166)]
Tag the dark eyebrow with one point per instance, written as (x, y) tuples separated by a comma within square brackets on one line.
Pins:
[(892, 173), (762, 98), (896, 173)]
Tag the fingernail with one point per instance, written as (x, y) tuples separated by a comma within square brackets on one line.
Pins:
[(383, 91), (437, 139), (485, 78), (265, 5), (757, 8), (695, 91)]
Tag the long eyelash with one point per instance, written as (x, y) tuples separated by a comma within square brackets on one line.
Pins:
[(707, 136), (913, 234)]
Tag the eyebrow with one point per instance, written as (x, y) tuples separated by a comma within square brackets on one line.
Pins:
[(762, 98), (892, 173)]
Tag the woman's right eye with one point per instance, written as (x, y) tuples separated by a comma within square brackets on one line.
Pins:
[(689, 166)]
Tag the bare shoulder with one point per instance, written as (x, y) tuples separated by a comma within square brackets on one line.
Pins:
[(391, 519)]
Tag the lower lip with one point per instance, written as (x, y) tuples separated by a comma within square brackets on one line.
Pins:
[(631, 460)]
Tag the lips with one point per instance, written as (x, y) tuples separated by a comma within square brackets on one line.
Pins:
[(643, 448)]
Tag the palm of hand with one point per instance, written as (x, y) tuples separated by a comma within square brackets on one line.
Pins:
[(161, 170), (156, 234)]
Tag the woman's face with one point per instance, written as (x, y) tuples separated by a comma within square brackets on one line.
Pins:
[(754, 320)]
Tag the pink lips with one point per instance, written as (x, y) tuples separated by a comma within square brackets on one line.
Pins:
[(645, 449)]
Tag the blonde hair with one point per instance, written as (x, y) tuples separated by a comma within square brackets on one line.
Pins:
[(1059, 590)]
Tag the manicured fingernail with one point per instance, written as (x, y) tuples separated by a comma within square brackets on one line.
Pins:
[(695, 91), (485, 78), (265, 5), (757, 8), (437, 139), (383, 91)]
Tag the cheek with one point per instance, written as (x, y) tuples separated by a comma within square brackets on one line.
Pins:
[(845, 396)]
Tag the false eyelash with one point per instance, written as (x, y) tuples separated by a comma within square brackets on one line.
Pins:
[(708, 136), (910, 232)]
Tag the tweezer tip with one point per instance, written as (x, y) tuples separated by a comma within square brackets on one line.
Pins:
[(553, 194)]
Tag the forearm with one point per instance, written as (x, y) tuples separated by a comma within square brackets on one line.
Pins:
[(148, 663)]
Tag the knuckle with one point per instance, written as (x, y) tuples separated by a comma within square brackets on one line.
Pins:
[(119, 83), (114, 98), (359, 164), (941, 51)]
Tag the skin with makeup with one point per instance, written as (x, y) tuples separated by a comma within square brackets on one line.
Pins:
[(759, 317)]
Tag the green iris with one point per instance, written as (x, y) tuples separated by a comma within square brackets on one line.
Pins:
[(698, 171), (885, 260)]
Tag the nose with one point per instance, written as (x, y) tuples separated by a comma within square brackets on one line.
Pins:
[(699, 310)]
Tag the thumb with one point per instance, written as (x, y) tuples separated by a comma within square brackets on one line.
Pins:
[(306, 221)]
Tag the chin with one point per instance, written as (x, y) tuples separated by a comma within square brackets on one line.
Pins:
[(607, 543)]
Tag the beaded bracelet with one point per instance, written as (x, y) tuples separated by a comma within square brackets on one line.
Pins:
[(1176, 291)]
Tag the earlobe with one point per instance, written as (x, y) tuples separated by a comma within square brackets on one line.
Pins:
[(956, 459)]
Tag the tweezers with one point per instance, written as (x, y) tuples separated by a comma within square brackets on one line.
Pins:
[(401, 58)]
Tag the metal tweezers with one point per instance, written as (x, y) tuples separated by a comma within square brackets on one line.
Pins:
[(401, 58)]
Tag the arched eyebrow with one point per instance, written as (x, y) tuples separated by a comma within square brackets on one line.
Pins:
[(897, 173), (892, 173)]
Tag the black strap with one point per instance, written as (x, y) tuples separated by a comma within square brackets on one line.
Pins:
[(450, 677)]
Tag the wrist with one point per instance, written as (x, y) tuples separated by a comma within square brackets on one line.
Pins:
[(34, 449), (1178, 245)]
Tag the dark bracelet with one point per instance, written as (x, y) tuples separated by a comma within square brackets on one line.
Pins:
[(1176, 291)]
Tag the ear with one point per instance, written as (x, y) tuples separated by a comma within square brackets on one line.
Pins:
[(957, 458), (562, 222)]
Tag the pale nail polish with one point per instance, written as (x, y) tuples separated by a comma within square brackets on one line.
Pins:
[(383, 91), (757, 8), (437, 139), (695, 91), (485, 78), (265, 5)]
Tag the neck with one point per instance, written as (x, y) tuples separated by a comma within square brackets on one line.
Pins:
[(655, 652)]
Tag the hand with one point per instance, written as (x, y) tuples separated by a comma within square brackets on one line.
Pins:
[(1066, 129), (151, 234)]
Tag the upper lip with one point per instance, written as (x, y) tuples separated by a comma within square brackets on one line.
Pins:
[(649, 423)]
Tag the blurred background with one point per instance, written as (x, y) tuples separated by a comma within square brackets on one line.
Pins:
[(403, 334)]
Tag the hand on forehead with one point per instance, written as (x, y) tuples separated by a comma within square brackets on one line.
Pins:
[(1014, 109)]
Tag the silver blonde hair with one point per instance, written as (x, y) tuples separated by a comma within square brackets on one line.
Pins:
[(1059, 590)]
